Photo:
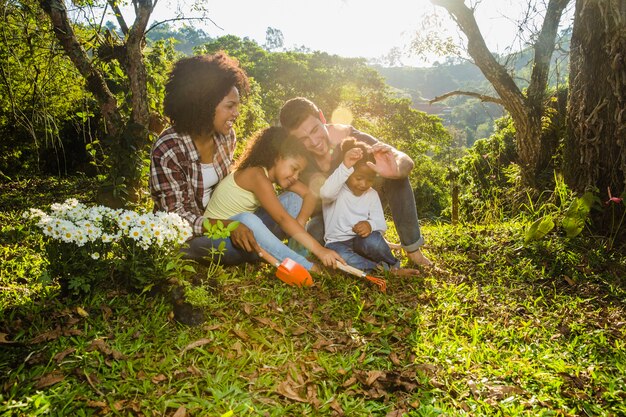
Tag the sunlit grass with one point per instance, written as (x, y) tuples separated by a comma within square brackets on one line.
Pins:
[(505, 333)]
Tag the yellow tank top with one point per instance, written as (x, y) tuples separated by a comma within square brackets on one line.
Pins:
[(229, 199)]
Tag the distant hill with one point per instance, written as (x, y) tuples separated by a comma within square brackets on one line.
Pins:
[(468, 115)]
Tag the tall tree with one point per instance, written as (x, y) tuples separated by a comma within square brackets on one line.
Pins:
[(595, 150), (525, 107)]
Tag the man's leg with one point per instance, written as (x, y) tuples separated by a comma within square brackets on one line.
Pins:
[(346, 251), (205, 250), (401, 200)]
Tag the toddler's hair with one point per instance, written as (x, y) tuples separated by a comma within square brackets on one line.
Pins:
[(350, 143), (267, 145)]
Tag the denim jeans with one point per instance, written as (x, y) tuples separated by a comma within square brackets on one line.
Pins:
[(366, 253), (201, 248), (399, 196), (268, 241)]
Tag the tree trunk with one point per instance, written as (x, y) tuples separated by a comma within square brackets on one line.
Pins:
[(595, 149), (126, 139), (526, 110)]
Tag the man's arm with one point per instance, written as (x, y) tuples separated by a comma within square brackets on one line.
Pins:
[(390, 162)]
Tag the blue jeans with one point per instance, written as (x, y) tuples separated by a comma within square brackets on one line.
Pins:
[(204, 249), (366, 253), (399, 196)]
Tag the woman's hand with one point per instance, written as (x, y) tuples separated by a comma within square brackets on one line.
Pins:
[(329, 257), (243, 238)]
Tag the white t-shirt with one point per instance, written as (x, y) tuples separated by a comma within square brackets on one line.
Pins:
[(209, 179), (342, 209)]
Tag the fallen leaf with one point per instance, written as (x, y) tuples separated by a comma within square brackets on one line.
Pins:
[(500, 392), (197, 343), (61, 355), (570, 281), (286, 389), (393, 357), (106, 312), (49, 379), (298, 331), (372, 376), (96, 404), (349, 382), (241, 334), (4, 341), (181, 412), (247, 308), (82, 312), (334, 404), (158, 378)]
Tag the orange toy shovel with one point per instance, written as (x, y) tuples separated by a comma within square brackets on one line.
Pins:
[(379, 282), (289, 271)]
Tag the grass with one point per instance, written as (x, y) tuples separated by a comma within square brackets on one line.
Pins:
[(514, 330)]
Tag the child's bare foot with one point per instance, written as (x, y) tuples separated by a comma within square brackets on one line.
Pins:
[(419, 259), (405, 272), (394, 246)]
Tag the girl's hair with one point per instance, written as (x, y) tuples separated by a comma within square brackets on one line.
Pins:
[(195, 87), (350, 143), (267, 145)]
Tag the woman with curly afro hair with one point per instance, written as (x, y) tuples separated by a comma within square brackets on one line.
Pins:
[(188, 160)]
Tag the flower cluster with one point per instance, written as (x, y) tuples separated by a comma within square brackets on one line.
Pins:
[(87, 245), (73, 222)]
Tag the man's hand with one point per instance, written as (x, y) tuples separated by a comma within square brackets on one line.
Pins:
[(352, 156), (386, 164), (362, 228), (243, 238), (329, 257)]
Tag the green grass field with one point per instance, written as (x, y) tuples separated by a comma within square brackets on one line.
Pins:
[(513, 330)]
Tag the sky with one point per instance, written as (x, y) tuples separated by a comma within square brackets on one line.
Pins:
[(350, 28)]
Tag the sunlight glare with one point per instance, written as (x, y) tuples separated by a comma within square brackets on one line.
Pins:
[(341, 115)]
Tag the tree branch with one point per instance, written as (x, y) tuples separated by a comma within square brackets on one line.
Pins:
[(544, 47), (119, 17), (512, 98), (96, 84), (176, 19), (481, 97)]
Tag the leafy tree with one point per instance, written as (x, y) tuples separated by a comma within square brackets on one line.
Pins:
[(42, 101), (525, 107)]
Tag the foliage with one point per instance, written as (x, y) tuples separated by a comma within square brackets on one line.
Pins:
[(85, 246), (42, 98), (489, 179)]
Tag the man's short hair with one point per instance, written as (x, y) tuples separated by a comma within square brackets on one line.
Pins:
[(296, 110)]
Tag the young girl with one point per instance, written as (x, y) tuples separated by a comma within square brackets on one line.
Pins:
[(354, 220), (270, 158)]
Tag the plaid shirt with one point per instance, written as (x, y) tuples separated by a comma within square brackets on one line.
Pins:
[(176, 174)]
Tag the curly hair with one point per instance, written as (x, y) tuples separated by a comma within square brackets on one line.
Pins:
[(267, 145), (295, 110), (195, 87), (350, 143)]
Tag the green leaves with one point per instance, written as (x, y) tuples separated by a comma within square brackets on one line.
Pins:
[(577, 214), (539, 229), (218, 230)]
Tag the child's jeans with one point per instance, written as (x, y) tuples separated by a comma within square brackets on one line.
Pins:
[(366, 253)]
